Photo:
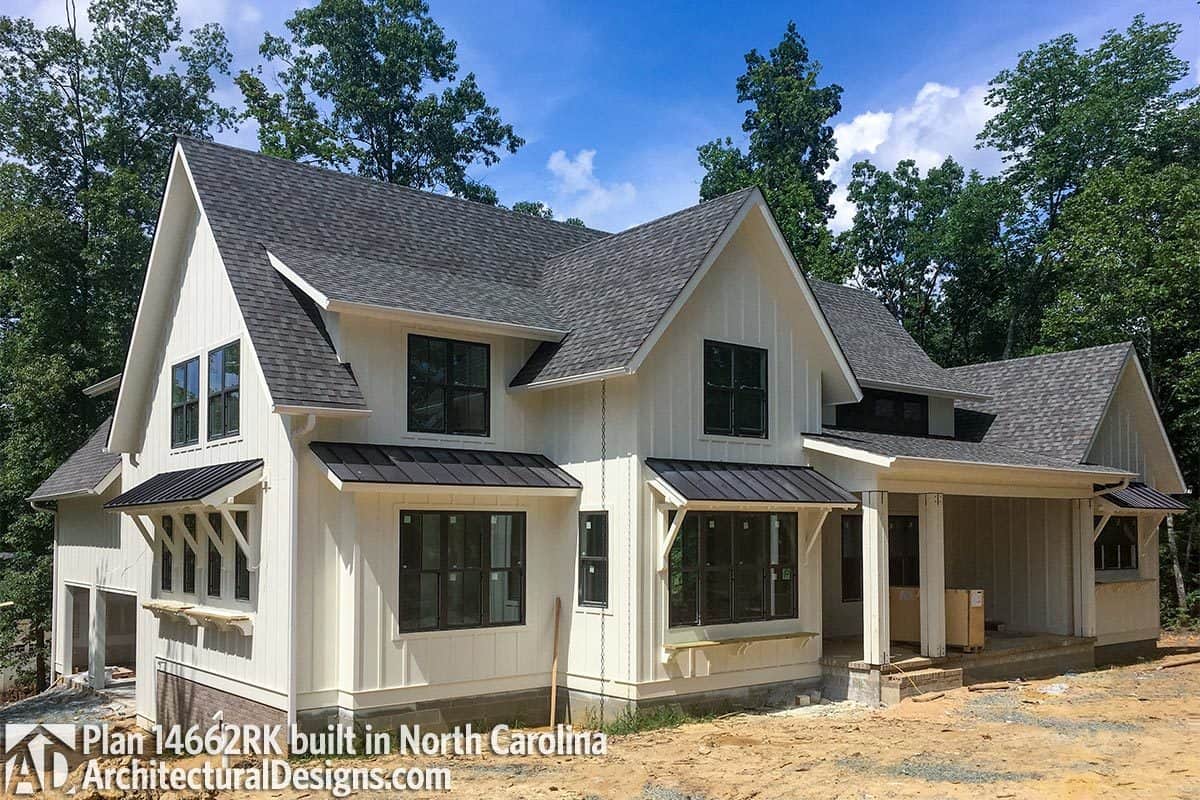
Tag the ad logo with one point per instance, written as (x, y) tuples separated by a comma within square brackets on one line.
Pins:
[(36, 757)]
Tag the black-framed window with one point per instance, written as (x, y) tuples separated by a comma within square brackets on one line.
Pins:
[(1117, 545), (886, 412), (735, 390), (904, 554), (461, 569), (449, 386), (189, 556), (241, 564), (214, 556), (733, 567), (593, 558), (224, 382), (166, 565), (185, 403)]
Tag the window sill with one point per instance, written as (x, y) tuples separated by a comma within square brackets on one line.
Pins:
[(594, 611), (1122, 576), (448, 438), (750, 440), (733, 631)]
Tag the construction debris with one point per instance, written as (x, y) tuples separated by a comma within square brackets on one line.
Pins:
[(990, 687)]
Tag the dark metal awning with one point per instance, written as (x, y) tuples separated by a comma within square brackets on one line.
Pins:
[(736, 483), (208, 485), (1142, 497), (377, 467)]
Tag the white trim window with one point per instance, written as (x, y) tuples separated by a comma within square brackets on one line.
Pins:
[(224, 391)]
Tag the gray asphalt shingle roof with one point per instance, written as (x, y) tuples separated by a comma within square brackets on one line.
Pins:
[(85, 468), (879, 349), (611, 293), (1049, 404), (363, 241), (946, 449)]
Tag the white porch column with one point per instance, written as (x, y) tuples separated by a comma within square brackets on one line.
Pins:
[(96, 644), (933, 575), (877, 625), (1083, 567)]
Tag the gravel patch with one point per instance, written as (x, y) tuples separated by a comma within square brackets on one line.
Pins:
[(1007, 708), (654, 791), (931, 769), (62, 704)]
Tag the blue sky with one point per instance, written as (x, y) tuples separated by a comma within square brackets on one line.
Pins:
[(614, 97)]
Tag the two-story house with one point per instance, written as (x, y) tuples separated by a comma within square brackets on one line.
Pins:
[(366, 437)]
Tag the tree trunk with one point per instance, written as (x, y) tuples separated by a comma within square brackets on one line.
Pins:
[(1180, 589)]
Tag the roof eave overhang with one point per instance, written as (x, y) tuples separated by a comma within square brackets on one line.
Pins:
[(910, 388), (223, 495), (95, 491), (443, 490), (412, 316), (572, 380), (320, 411)]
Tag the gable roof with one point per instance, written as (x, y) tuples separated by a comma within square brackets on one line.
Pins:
[(881, 352), (1049, 404), (613, 292), (83, 471)]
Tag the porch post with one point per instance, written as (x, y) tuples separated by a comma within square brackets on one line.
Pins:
[(876, 616), (933, 575), (96, 645), (1084, 567)]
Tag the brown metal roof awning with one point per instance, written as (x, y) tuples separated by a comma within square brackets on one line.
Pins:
[(736, 483), (355, 467), (208, 486), (1141, 497)]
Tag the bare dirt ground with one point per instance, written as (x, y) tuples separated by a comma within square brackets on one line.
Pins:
[(1131, 731)]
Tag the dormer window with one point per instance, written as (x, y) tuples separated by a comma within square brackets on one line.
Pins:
[(449, 386), (887, 412), (735, 390)]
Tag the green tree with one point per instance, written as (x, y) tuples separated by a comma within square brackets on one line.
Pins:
[(358, 86), (790, 148), (536, 208), (1063, 113), (86, 127), (897, 243)]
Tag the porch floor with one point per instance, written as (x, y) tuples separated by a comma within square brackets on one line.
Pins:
[(1004, 654)]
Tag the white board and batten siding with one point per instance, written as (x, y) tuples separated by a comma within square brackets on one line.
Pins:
[(749, 297), (206, 316)]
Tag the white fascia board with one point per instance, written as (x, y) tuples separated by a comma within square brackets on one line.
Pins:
[(295, 279), (320, 411), (232, 489), (920, 463), (124, 433), (845, 451), (913, 388), (573, 380), (103, 387), (107, 480)]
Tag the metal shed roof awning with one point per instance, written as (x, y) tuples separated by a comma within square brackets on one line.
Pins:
[(719, 483), (374, 467), (1141, 497), (205, 486)]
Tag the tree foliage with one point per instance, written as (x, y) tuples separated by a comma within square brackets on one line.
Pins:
[(86, 126), (374, 84), (789, 150)]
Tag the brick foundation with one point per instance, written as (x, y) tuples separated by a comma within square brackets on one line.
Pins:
[(183, 702)]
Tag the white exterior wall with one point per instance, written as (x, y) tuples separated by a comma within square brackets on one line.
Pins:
[(92, 551), (207, 316), (748, 297)]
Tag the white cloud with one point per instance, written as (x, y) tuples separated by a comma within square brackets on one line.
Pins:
[(54, 12), (941, 121), (579, 193)]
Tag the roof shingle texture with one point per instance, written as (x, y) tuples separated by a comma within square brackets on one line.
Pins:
[(611, 293), (85, 468), (878, 347), (360, 240), (946, 449), (1049, 404)]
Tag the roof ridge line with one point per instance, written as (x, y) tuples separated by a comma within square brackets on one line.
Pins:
[(647, 223), (1127, 343), (400, 187)]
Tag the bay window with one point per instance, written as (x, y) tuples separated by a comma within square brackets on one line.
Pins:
[(733, 567)]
